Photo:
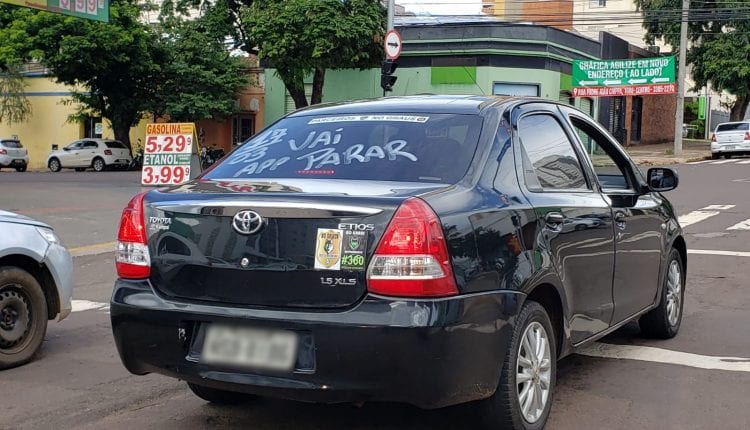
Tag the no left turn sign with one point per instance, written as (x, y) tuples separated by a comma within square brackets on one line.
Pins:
[(392, 44)]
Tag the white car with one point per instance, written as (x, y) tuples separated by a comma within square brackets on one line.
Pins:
[(731, 138), (84, 153), (13, 155)]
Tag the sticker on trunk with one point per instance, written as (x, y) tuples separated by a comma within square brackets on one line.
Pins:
[(354, 246), (328, 249)]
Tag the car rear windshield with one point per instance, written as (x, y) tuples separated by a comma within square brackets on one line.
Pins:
[(734, 126), (12, 144), (114, 144), (414, 147)]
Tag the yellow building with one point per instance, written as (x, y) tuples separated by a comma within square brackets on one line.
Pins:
[(49, 122)]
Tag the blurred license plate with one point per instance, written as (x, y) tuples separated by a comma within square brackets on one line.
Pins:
[(729, 147), (250, 347)]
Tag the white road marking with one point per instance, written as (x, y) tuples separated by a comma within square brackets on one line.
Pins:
[(718, 207), (659, 355), (742, 225), (716, 252), (744, 162), (695, 216), (86, 305), (701, 162), (724, 161)]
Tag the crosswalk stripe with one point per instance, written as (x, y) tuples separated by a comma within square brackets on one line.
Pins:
[(742, 225), (744, 162), (695, 217), (724, 161), (666, 356), (717, 207), (701, 162), (87, 305), (717, 252)]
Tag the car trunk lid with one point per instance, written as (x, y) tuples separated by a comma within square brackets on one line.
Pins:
[(309, 250)]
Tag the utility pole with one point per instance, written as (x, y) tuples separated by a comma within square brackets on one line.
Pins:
[(679, 115), (391, 8)]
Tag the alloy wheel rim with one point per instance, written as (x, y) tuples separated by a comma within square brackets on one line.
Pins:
[(533, 372), (98, 165), (15, 319), (674, 293), (53, 165)]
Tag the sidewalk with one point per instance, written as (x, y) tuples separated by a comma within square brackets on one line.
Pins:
[(662, 154)]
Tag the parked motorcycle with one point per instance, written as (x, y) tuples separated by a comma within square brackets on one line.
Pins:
[(210, 156), (137, 162)]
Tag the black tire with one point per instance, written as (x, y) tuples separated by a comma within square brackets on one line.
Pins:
[(21, 169), (23, 317), (98, 164), (54, 165), (715, 156), (656, 323), (503, 409), (219, 397)]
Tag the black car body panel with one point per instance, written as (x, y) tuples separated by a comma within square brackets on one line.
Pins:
[(594, 256)]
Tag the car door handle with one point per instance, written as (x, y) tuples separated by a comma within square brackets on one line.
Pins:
[(621, 220), (554, 220)]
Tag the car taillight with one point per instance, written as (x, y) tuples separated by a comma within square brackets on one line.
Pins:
[(713, 137), (747, 135), (132, 259), (3, 151), (412, 258), (107, 152)]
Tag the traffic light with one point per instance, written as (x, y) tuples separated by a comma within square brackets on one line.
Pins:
[(386, 77)]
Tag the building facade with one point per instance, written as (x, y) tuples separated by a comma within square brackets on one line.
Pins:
[(497, 58)]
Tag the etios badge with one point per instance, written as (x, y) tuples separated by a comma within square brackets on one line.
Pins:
[(247, 222)]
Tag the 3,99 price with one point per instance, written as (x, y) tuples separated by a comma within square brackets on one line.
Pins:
[(178, 143), (156, 175)]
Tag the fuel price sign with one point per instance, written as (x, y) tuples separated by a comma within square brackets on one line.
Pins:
[(167, 153)]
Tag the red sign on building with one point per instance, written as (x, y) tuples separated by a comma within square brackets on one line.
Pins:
[(620, 91)]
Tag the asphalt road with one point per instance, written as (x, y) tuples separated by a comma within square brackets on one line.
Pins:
[(78, 381)]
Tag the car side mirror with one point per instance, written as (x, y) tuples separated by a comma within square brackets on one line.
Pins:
[(66, 149), (662, 179)]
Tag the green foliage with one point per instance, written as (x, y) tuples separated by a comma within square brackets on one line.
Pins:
[(201, 78), (301, 37), (719, 49)]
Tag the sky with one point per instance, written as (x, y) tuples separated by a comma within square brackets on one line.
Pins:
[(442, 7)]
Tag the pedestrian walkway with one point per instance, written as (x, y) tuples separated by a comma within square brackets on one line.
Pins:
[(663, 154), (729, 161), (711, 211)]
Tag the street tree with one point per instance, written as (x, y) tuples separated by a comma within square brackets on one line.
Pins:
[(718, 43), (300, 38), (14, 106), (201, 79)]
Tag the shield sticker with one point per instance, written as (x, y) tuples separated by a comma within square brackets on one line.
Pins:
[(328, 249)]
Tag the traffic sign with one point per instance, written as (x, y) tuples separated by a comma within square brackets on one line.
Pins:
[(392, 44), (637, 76)]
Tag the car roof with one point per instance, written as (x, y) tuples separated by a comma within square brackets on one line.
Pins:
[(456, 104)]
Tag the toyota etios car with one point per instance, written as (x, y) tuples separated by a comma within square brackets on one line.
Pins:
[(429, 250)]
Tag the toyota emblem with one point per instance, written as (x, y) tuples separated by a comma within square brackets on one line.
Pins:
[(247, 222)]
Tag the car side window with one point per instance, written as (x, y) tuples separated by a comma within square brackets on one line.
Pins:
[(609, 173), (75, 145), (90, 144), (549, 160)]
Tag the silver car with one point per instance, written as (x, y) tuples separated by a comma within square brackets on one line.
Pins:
[(36, 285), (98, 154)]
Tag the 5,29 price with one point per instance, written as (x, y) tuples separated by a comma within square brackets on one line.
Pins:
[(164, 175), (178, 143)]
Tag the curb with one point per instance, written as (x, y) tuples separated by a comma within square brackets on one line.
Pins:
[(95, 249)]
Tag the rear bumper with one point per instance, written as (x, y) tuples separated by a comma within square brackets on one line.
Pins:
[(13, 161), (429, 353), (731, 148)]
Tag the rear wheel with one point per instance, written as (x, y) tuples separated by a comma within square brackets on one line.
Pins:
[(524, 395), (98, 164), (219, 397), (715, 156), (21, 169), (664, 321), (54, 165), (23, 316)]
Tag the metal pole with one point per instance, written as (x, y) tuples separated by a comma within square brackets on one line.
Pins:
[(391, 7), (679, 114)]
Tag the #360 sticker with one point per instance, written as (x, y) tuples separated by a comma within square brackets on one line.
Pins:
[(328, 249)]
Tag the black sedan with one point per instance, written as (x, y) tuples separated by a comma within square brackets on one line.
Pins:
[(430, 250)]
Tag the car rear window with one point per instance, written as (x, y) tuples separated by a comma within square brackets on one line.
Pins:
[(12, 144), (114, 144), (414, 147), (734, 126)]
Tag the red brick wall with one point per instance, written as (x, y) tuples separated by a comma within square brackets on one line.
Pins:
[(657, 123), (560, 11)]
